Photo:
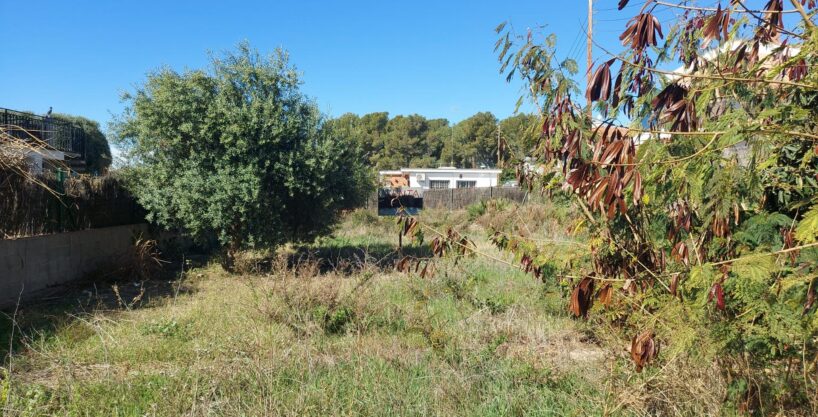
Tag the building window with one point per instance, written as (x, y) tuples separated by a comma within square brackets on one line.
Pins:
[(438, 184), (466, 184)]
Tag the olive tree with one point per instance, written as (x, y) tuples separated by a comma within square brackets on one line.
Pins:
[(237, 153)]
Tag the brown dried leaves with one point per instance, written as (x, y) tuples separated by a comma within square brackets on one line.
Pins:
[(643, 30), (672, 105), (644, 349), (600, 87), (582, 298), (717, 26)]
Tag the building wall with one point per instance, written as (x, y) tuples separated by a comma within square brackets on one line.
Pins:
[(482, 179), (34, 158), (35, 163)]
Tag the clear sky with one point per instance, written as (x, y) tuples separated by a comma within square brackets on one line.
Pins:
[(433, 58)]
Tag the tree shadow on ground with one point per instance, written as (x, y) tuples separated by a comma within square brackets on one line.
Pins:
[(350, 259), (345, 259), (42, 313)]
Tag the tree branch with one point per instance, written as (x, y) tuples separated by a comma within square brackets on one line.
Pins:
[(804, 15), (713, 9), (705, 77)]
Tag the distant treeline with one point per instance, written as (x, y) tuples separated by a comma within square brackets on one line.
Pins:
[(415, 141)]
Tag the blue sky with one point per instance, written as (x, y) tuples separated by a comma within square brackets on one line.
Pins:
[(433, 58)]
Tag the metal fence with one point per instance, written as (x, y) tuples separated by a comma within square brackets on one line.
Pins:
[(58, 134), (386, 202)]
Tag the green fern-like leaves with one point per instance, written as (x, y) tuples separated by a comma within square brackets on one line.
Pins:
[(807, 230)]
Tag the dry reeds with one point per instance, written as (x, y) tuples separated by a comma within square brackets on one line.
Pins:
[(32, 203), (14, 152)]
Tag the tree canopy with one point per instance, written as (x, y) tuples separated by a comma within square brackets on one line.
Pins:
[(97, 150), (236, 152), (415, 141)]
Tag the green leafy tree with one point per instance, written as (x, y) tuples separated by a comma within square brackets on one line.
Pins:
[(476, 141), (373, 132), (97, 149), (404, 141), (520, 134), (237, 153)]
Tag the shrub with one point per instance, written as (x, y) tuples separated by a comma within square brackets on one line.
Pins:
[(237, 153)]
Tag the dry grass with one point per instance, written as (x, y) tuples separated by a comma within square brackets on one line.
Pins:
[(294, 337)]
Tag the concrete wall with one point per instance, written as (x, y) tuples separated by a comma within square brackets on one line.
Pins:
[(481, 177), (480, 180), (34, 263)]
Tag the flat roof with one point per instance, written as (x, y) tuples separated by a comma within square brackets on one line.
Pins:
[(468, 171)]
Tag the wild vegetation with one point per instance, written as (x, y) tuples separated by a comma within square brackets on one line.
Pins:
[(98, 157), (668, 270), (322, 329), (236, 154), (698, 190)]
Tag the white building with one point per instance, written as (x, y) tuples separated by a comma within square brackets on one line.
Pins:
[(36, 158), (446, 177)]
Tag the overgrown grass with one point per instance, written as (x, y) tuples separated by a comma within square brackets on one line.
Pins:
[(304, 339)]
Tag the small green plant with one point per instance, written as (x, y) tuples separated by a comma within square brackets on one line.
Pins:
[(461, 289), (5, 386), (495, 305), (166, 328), (476, 210), (336, 321)]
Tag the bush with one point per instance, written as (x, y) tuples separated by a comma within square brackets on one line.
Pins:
[(236, 152), (476, 210), (97, 150)]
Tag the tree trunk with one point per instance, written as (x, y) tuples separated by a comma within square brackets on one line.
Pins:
[(230, 252)]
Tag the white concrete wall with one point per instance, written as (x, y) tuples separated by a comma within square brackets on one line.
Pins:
[(33, 156), (482, 179), (35, 162)]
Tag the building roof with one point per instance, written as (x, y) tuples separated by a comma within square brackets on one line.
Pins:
[(682, 74), (454, 170)]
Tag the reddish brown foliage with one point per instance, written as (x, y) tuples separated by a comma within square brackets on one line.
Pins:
[(605, 294), (643, 30), (582, 297), (644, 349)]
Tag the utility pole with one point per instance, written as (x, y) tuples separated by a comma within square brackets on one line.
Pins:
[(590, 52)]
